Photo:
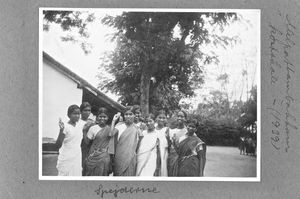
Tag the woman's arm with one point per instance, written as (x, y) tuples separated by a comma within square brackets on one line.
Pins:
[(61, 135), (60, 140), (113, 130), (113, 135), (86, 140), (140, 137), (201, 153)]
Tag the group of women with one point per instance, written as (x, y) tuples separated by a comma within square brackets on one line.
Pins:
[(134, 147)]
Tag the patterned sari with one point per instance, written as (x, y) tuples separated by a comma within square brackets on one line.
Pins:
[(125, 154), (191, 157), (98, 162), (85, 147), (173, 156)]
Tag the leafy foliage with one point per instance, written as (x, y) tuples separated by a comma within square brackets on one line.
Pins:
[(160, 57), (148, 49), (249, 110), (221, 122), (69, 20)]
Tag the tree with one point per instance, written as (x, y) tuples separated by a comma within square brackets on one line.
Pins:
[(70, 20), (153, 66), (249, 110)]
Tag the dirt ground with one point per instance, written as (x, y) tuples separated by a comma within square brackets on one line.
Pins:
[(220, 162), (227, 162)]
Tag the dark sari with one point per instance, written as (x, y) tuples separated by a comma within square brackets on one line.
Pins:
[(125, 155), (98, 161), (191, 157), (85, 147), (172, 149)]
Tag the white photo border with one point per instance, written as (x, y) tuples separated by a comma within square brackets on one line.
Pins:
[(117, 178)]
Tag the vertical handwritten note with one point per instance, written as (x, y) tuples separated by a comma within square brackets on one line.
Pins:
[(282, 72)]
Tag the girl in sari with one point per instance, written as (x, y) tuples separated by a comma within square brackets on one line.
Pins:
[(138, 119), (162, 134), (68, 142), (128, 140), (173, 138), (98, 161), (85, 110), (148, 156), (191, 153)]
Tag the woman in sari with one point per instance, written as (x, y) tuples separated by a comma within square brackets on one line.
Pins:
[(68, 142), (85, 111), (128, 140), (191, 153), (98, 161), (138, 119), (173, 138), (148, 156), (162, 134)]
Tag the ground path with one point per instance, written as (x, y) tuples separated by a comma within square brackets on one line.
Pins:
[(227, 162), (220, 162)]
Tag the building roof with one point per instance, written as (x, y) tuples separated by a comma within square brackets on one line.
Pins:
[(81, 82)]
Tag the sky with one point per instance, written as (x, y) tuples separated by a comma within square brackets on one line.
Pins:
[(244, 55)]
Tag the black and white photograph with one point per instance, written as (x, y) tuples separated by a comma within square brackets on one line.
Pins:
[(149, 94)]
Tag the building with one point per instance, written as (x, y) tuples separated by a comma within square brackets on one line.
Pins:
[(61, 88)]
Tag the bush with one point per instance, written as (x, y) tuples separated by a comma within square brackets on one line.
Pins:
[(218, 133)]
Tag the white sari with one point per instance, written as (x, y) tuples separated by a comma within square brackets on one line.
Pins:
[(69, 158), (147, 155), (163, 146)]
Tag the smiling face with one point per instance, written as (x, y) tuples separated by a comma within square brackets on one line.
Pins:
[(161, 120), (137, 115), (74, 115), (102, 119), (129, 117), (180, 117)]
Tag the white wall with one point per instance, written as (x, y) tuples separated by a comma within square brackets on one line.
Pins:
[(59, 92)]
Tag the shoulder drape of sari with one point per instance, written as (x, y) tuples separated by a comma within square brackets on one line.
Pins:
[(125, 154), (98, 161), (172, 163), (85, 147), (148, 157), (189, 162), (158, 170)]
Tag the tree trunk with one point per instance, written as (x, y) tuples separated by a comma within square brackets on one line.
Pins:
[(144, 89)]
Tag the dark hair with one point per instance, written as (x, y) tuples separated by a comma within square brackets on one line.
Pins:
[(84, 105), (150, 115), (135, 108), (94, 110), (193, 122), (128, 108), (160, 112), (103, 110), (71, 109)]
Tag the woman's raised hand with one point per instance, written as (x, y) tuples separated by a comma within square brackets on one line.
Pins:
[(61, 124), (116, 116)]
